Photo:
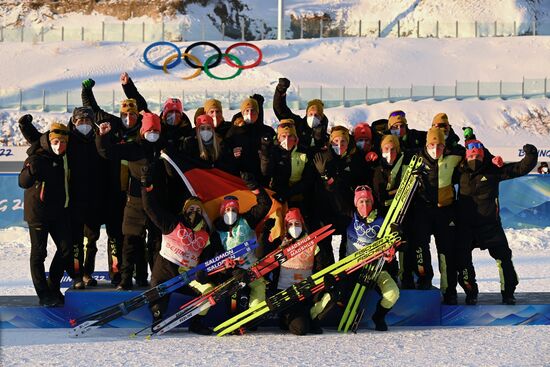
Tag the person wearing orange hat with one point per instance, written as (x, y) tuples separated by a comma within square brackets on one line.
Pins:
[(311, 128), (362, 231), (246, 137), (136, 225), (334, 192), (409, 139), (186, 242), (45, 178), (478, 215), (287, 166), (213, 108), (433, 213)]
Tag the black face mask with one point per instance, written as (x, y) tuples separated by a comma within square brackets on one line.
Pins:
[(192, 219), (474, 164)]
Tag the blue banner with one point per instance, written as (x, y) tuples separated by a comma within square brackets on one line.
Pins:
[(11, 201), (524, 202)]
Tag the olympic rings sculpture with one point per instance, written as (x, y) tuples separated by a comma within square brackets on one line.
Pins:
[(211, 62)]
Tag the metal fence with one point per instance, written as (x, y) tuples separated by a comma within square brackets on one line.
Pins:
[(64, 101), (299, 28)]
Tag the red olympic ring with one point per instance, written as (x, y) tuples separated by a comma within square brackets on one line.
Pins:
[(243, 44)]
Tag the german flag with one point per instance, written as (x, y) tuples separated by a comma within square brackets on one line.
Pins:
[(211, 185)]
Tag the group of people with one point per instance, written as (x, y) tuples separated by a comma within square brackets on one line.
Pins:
[(107, 169)]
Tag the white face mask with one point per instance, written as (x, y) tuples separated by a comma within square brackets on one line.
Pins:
[(84, 129), (545, 169), (396, 132), (55, 149), (230, 218), (313, 121), (151, 136), (171, 118), (206, 135), (284, 144), (215, 119), (126, 121), (337, 149), (432, 152), (247, 119), (387, 157), (295, 231)]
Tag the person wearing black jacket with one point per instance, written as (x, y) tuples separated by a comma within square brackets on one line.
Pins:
[(333, 190), (478, 215), (241, 145), (365, 158), (287, 167), (135, 220), (115, 177), (45, 180), (186, 242), (409, 139), (312, 128), (213, 108)]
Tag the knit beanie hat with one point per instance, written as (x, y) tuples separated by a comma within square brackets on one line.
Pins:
[(128, 106), (362, 131), (212, 103), (204, 120), (396, 119), (318, 104), (363, 192), (440, 118), (474, 147), (286, 126), (59, 131), (435, 136), (171, 104), (249, 103), (391, 139), (339, 131), (149, 122), (293, 214), (193, 200), (229, 202), (83, 113)]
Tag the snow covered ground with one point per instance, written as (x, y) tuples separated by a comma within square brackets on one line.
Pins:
[(473, 346)]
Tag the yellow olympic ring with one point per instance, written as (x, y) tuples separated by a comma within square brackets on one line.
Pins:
[(175, 56)]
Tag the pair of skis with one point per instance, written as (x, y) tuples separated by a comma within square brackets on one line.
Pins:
[(256, 271), (101, 317), (351, 318)]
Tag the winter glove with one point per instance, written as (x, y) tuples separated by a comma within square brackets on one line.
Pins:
[(250, 180), (201, 276), (259, 98), (25, 119), (320, 161), (468, 133), (371, 156), (36, 165), (497, 161), (269, 224), (88, 84), (529, 149), (265, 145), (147, 175), (283, 85)]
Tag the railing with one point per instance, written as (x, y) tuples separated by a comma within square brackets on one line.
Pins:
[(299, 28), (62, 101)]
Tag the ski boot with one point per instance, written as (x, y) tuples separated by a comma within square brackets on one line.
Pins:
[(89, 281), (196, 326), (379, 318), (508, 298)]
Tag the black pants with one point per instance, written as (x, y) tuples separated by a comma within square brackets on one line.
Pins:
[(63, 258), (84, 251), (133, 256), (296, 318), (441, 223), (164, 270)]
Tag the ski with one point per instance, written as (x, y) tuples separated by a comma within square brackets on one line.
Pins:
[(311, 285), (262, 267), (396, 214), (101, 317)]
